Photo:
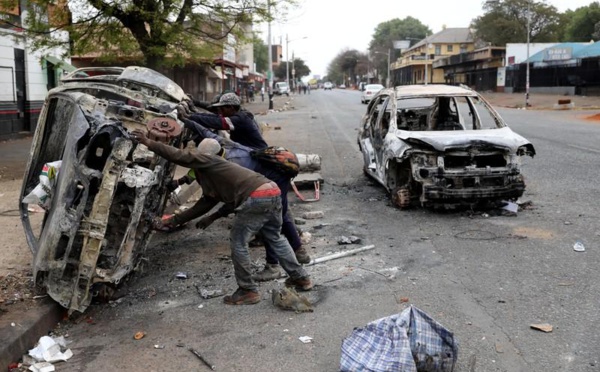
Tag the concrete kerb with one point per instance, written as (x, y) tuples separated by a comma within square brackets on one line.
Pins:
[(21, 331)]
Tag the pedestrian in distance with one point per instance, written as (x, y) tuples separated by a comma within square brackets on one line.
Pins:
[(257, 203), (262, 94)]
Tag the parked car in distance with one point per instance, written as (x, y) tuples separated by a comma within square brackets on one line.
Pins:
[(441, 145), (328, 85), (369, 91), (281, 87), (342, 86)]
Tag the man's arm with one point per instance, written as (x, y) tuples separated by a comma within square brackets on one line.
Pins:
[(203, 132), (213, 121), (207, 220)]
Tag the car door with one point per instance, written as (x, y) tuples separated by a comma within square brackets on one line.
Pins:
[(380, 128)]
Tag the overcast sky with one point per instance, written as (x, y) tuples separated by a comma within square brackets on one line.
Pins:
[(319, 29)]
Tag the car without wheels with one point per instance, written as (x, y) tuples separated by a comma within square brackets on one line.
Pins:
[(441, 145)]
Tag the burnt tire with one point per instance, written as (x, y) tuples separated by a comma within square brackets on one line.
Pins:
[(400, 197)]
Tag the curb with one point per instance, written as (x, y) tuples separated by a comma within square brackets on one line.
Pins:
[(29, 326)]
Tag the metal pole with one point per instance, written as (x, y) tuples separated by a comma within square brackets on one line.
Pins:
[(426, 59), (389, 78), (527, 61), (270, 73), (287, 62)]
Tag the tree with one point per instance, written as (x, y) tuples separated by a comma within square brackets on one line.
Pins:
[(155, 32), (261, 54), (297, 64), (346, 66), (387, 32), (505, 21), (583, 22)]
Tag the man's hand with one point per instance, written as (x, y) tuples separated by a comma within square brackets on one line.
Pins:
[(206, 221), (172, 186), (183, 110), (140, 136)]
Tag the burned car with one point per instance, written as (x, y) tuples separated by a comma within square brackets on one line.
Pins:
[(441, 145), (105, 189)]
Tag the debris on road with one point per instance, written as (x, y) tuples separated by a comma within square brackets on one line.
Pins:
[(289, 299), (306, 339), (305, 237), (197, 354), (209, 293), (340, 255), (409, 341), (578, 246), (313, 215), (341, 240), (181, 275), (49, 350), (544, 327), (139, 335)]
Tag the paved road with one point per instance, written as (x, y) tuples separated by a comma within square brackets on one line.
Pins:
[(487, 278)]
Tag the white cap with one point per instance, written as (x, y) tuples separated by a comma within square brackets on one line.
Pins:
[(209, 146)]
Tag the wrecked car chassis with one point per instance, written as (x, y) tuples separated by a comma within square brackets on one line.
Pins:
[(108, 189), (459, 177)]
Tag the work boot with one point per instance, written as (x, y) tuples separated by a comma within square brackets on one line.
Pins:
[(269, 272), (302, 255), (301, 284), (242, 297)]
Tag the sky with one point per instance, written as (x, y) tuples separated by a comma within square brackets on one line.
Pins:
[(317, 30)]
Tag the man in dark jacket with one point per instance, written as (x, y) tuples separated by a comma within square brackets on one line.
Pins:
[(257, 202), (241, 125)]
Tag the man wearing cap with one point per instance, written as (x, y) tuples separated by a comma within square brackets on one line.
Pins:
[(240, 154), (257, 202), (240, 123)]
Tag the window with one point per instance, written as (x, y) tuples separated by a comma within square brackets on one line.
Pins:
[(438, 50), (450, 47)]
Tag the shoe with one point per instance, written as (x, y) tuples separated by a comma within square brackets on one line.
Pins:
[(302, 256), (269, 272), (301, 284), (242, 297)]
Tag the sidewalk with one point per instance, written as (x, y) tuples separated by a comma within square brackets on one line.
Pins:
[(24, 319)]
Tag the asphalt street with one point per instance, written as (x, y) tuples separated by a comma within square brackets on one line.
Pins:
[(486, 277)]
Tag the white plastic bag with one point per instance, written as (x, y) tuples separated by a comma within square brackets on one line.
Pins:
[(42, 193)]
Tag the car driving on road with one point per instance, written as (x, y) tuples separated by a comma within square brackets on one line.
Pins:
[(328, 85), (441, 145)]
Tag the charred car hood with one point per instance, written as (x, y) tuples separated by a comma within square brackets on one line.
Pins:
[(448, 140)]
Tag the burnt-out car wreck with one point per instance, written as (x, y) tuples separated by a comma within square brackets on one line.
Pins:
[(441, 146), (108, 189)]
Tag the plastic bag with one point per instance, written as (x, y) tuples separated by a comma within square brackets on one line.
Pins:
[(42, 193), (407, 342)]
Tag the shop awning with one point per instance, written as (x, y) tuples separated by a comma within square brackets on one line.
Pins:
[(214, 74), (59, 63)]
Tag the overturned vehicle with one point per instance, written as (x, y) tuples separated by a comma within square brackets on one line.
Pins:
[(100, 190), (441, 145)]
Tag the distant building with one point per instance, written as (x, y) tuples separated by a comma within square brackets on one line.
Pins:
[(414, 66)]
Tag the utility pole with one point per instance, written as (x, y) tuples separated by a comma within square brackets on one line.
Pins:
[(287, 62), (527, 61), (270, 72), (389, 78), (426, 58)]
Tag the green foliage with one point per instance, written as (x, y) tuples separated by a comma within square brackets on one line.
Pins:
[(346, 66), (154, 32), (261, 54), (297, 65), (387, 32), (505, 21), (583, 22)]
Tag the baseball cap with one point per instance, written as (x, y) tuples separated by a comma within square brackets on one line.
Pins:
[(228, 99)]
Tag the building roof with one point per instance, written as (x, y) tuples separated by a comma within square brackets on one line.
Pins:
[(447, 36)]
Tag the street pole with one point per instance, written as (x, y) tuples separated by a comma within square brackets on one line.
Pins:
[(287, 62), (527, 61), (270, 73), (389, 78), (426, 59)]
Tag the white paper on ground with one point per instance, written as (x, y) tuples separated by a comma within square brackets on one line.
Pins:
[(49, 351)]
